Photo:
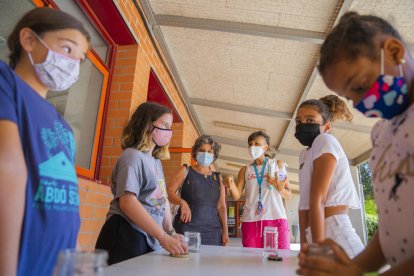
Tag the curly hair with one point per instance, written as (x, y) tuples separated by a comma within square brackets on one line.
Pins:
[(331, 108), (137, 134), (354, 36), (202, 140), (40, 21)]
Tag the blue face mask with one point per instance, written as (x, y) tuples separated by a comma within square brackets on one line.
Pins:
[(204, 158), (387, 97)]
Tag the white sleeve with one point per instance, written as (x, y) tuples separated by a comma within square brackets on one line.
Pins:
[(326, 143)]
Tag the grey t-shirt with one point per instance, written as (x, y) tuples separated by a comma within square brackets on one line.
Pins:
[(139, 173)]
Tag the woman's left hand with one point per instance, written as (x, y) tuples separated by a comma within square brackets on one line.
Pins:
[(342, 265), (277, 184), (224, 238)]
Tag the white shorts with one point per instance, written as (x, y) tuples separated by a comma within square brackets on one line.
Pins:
[(340, 229)]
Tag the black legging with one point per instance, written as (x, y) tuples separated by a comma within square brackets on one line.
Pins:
[(121, 240)]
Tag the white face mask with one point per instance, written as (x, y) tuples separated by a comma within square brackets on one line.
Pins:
[(58, 72), (255, 152)]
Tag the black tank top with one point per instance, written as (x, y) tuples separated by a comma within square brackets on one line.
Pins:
[(201, 194)]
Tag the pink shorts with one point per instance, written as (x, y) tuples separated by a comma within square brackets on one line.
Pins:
[(252, 233)]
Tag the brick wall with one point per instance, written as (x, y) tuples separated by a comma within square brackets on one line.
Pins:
[(129, 89), (94, 203), (126, 88)]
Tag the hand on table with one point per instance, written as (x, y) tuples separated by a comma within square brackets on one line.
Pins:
[(185, 212), (172, 244), (342, 265)]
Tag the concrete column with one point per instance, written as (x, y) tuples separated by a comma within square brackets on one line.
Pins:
[(357, 216), (291, 207)]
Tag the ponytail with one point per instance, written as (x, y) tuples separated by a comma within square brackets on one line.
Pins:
[(337, 108), (331, 108)]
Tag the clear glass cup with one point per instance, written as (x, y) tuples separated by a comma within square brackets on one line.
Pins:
[(73, 263), (193, 241), (316, 249), (270, 241)]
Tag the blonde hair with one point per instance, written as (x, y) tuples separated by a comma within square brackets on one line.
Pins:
[(137, 134)]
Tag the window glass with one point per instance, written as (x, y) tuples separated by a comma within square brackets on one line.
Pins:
[(79, 105), (10, 12), (98, 44)]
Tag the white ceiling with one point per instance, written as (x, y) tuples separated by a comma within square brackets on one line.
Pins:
[(251, 62)]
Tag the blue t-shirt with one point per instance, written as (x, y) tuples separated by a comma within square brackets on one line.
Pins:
[(51, 218)]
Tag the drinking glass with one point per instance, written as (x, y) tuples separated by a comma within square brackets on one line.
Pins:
[(270, 241), (193, 240), (79, 263), (316, 249)]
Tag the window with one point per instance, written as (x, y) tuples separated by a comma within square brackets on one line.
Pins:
[(10, 12), (99, 45), (82, 105)]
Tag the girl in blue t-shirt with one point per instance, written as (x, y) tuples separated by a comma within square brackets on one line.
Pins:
[(39, 201)]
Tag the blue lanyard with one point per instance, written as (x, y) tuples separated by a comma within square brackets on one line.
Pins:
[(259, 182)]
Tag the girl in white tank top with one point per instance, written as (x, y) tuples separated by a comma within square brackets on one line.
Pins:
[(264, 204)]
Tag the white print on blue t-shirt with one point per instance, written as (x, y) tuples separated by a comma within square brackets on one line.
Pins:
[(57, 172), (59, 134)]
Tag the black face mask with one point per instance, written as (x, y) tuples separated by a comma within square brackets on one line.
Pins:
[(307, 133)]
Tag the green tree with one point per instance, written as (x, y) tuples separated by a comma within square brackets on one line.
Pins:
[(366, 180), (371, 213)]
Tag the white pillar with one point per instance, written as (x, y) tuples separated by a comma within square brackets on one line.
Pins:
[(357, 216), (291, 207)]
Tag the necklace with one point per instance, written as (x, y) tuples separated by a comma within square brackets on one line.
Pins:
[(205, 174)]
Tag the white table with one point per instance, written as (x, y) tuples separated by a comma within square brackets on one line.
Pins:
[(210, 261)]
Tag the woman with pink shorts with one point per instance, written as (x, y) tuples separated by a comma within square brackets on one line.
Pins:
[(264, 204)]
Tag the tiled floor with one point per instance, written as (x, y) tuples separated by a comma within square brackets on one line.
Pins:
[(237, 242)]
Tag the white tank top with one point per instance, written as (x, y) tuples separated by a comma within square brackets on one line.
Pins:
[(271, 199)]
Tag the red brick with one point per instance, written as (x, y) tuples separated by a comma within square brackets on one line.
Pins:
[(106, 171), (108, 142), (86, 211), (98, 199), (84, 239), (101, 212), (121, 96), (124, 104), (92, 225), (122, 78)]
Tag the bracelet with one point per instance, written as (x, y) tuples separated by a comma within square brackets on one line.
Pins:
[(370, 274), (171, 232)]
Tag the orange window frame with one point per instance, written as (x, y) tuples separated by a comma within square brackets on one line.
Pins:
[(92, 56)]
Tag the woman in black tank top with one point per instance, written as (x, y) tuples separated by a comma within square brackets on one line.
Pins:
[(201, 195)]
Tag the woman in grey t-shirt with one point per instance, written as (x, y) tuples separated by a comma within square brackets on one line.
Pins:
[(139, 218)]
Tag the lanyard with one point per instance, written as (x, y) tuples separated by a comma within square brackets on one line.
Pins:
[(259, 182)]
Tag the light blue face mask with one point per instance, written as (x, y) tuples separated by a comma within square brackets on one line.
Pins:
[(204, 158)]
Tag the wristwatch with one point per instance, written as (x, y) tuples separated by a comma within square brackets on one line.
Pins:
[(171, 232)]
